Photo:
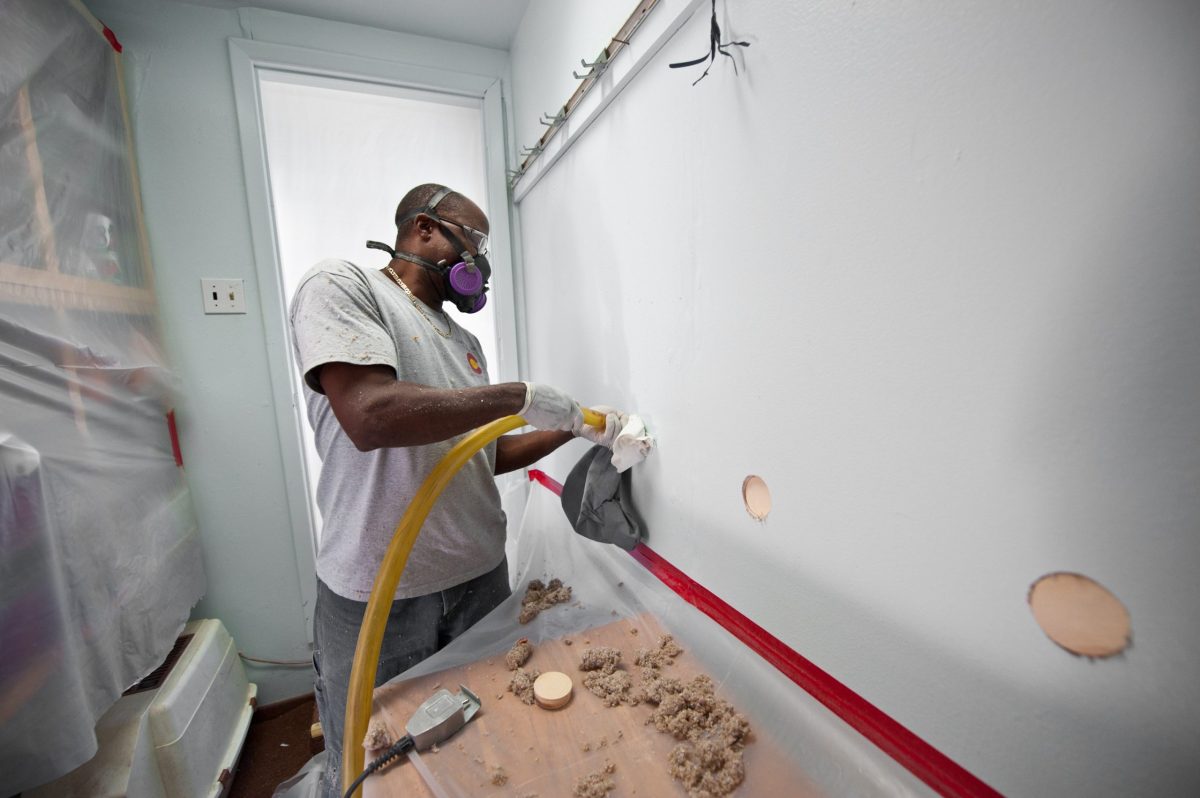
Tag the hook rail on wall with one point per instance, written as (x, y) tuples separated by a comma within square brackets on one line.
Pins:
[(596, 67), (589, 79)]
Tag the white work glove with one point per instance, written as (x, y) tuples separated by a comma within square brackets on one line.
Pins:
[(614, 421), (549, 408)]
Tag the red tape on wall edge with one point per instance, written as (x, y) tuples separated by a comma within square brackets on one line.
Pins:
[(174, 432), (112, 39)]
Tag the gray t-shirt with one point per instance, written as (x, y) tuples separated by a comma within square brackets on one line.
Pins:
[(341, 313)]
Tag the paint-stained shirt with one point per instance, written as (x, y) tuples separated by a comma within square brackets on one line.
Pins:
[(341, 313)]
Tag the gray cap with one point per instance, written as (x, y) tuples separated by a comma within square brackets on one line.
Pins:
[(595, 498)]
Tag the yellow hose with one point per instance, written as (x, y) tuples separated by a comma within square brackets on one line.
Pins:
[(370, 634)]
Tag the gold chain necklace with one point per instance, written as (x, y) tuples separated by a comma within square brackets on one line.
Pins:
[(417, 304)]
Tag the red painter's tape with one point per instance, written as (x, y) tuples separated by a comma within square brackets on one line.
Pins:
[(920, 758), (544, 479), (112, 39), (174, 439)]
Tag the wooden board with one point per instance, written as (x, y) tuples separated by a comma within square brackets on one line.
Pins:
[(53, 289), (542, 752)]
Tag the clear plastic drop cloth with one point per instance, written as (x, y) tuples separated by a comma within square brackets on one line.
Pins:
[(609, 585), (99, 550)]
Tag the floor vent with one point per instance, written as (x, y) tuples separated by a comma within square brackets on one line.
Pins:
[(159, 674)]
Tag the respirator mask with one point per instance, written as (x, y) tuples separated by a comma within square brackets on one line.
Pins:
[(466, 282)]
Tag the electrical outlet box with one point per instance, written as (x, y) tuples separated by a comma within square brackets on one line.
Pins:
[(223, 295)]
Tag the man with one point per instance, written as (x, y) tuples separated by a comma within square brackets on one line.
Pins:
[(390, 381)]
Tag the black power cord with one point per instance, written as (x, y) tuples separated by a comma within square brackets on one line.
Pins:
[(401, 746), (715, 46)]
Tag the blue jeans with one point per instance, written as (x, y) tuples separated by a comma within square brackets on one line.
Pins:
[(416, 628)]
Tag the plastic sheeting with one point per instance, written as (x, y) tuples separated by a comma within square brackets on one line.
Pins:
[(99, 551), (608, 584)]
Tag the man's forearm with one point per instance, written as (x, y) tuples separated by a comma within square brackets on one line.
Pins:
[(421, 415), (378, 411), (514, 452)]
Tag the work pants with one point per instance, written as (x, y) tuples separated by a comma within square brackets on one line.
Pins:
[(416, 628)]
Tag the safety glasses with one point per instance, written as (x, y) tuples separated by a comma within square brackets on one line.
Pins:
[(477, 237)]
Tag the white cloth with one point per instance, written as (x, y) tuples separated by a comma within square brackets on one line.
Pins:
[(633, 444)]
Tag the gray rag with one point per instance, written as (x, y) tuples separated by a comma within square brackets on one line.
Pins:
[(595, 498)]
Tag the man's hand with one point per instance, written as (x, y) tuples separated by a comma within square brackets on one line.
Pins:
[(549, 408), (614, 421)]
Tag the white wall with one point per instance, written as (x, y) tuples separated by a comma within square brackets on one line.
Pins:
[(932, 272), (187, 141)]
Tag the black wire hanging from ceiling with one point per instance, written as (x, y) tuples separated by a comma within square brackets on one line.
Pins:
[(715, 46)]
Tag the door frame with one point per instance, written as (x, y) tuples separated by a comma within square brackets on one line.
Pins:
[(246, 58)]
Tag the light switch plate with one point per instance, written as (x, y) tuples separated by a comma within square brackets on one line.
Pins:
[(223, 295)]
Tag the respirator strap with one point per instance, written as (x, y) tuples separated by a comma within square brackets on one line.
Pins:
[(435, 267), (429, 208), (380, 245), (440, 269)]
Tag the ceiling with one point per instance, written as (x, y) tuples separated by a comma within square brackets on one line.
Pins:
[(488, 23)]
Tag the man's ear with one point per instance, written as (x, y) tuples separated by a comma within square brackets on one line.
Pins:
[(425, 226)]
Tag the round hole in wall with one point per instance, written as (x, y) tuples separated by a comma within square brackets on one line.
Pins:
[(756, 496), (1080, 614)]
